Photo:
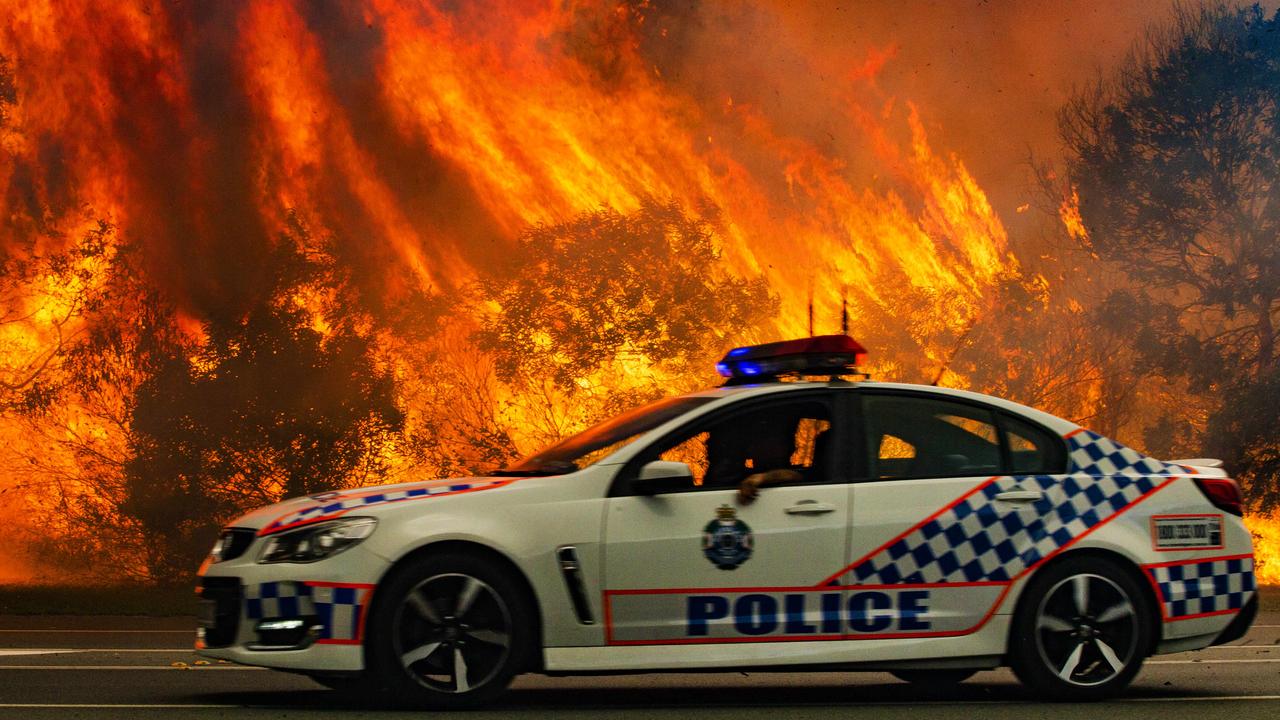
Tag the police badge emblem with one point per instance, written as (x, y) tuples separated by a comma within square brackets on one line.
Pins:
[(726, 541)]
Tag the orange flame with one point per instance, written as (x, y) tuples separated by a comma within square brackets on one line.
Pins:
[(426, 137), (1266, 547), (1069, 212)]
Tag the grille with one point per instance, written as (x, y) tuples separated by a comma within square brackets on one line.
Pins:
[(223, 616)]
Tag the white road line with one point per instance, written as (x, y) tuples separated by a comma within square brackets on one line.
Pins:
[(178, 706), (200, 668), (1211, 661), (136, 706), (34, 631), (68, 651), (38, 651), (137, 650), (1204, 698), (1217, 648)]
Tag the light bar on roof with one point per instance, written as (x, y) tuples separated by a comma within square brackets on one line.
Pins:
[(820, 355)]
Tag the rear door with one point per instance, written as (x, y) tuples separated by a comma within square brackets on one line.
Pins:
[(938, 525)]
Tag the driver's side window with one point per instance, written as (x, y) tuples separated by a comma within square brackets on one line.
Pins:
[(792, 435)]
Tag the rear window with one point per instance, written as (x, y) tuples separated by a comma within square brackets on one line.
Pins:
[(910, 436), (1032, 449)]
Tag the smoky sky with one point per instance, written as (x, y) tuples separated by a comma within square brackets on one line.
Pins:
[(987, 78)]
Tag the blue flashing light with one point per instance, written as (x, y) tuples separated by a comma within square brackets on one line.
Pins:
[(821, 355)]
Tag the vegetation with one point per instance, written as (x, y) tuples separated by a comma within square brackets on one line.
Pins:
[(303, 391), (1176, 159)]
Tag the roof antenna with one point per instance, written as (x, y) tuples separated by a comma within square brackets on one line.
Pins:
[(844, 311), (810, 308)]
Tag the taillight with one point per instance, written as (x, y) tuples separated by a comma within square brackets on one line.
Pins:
[(1224, 493)]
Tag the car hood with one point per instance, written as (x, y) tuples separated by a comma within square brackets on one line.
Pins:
[(309, 509)]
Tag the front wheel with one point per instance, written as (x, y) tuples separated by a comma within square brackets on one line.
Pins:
[(1082, 631), (451, 632)]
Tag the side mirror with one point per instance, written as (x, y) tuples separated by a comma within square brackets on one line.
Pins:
[(662, 476)]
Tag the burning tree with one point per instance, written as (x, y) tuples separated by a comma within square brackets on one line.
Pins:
[(436, 145), (645, 287), (268, 407), (588, 318), (169, 433), (1176, 159)]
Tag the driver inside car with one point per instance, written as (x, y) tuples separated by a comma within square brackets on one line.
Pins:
[(762, 455)]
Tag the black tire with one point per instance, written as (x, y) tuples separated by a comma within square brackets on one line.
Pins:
[(1082, 631), (450, 631), (933, 678)]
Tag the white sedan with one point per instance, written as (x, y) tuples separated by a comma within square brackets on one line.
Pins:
[(810, 525)]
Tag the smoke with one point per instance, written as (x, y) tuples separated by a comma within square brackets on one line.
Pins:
[(158, 115), (988, 77), (873, 146)]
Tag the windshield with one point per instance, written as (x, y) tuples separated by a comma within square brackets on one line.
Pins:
[(594, 444)]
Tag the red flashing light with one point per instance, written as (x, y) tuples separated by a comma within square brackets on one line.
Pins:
[(820, 355)]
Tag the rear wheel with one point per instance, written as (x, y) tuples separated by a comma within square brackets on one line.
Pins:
[(1082, 631), (933, 678), (452, 632)]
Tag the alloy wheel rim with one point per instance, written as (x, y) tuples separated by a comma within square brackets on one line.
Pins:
[(1086, 630), (452, 633)]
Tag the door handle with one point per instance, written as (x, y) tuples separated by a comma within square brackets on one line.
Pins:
[(810, 507), (1020, 496)]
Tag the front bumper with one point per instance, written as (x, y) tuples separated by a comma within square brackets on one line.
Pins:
[(308, 616)]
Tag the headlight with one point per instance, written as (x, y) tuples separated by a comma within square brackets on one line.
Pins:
[(219, 548), (231, 544), (316, 542)]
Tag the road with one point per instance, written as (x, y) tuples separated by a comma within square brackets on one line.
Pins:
[(60, 667)]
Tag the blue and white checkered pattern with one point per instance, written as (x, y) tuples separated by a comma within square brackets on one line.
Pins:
[(1093, 454), (337, 610), (278, 600), (1205, 586), (334, 504), (979, 541)]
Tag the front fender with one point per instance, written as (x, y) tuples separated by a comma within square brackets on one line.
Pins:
[(525, 522)]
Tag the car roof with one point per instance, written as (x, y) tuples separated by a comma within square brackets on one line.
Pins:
[(729, 394), (1052, 422)]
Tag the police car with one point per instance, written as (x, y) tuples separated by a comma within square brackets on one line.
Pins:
[(814, 524)]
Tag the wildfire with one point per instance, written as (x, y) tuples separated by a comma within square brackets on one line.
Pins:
[(426, 138), (1069, 212), (1266, 547)]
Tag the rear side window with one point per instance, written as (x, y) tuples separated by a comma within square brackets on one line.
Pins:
[(1032, 449), (916, 437)]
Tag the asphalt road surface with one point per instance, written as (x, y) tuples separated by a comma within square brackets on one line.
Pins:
[(64, 667)]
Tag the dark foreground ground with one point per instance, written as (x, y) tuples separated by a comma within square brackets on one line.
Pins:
[(125, 667)]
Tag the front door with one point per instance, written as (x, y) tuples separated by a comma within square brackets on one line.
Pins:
[(703, 563)]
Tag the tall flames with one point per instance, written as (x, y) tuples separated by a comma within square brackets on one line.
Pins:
[(427, 138)]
